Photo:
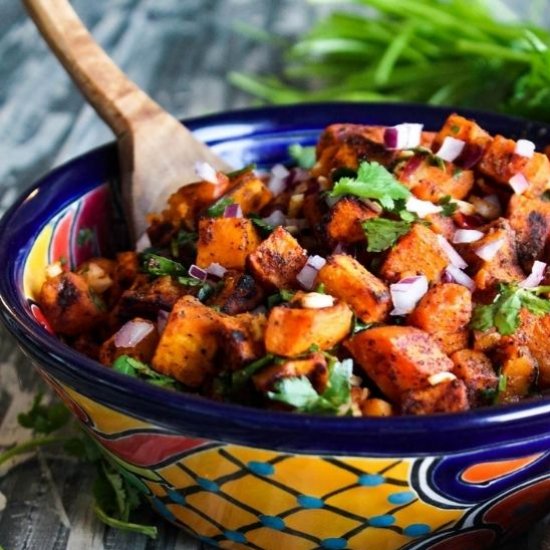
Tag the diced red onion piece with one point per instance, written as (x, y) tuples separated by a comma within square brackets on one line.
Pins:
[(518, 183), (316, 262), (422, 208), (458, 276), (470, 155), (198, 273), (450, 149), (280, 171), (524, 148), (216, 270), (132, 332), (143, 243), (411, 166), (406, 293), (467, 236), (233, 211), (162, 319), (488, 251), (536, 275), (278, 180), (403, 136), (453, 256), (275, 218), (206, 172), (307, 276)]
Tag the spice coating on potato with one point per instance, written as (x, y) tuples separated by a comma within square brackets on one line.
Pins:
[(520, 368), (397, 358), (250, 193), (343, 221), (446, 397), (292, 331), (278, 260), (239, 293), (346, 279), (476, 370), (70, 305)]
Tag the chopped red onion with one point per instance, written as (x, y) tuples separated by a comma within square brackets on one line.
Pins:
[(470, 155), (296, 176), (216, 270), (450, 149), (467, 236), (206, 172), (525, 148), (536, 275), (316, 262), (143, 243), (422, 208), (280, 171), (406, 293), (458, 276), (278, 180), (488, 251), (307, 276), (340, 248), (233, 211), (132, 333), (411, 166), (453, 256), (275, 218), (403, 136), (198, 273), (162, 319), (518, 183)]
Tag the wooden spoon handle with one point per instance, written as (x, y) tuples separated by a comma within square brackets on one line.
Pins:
[(117, 99)]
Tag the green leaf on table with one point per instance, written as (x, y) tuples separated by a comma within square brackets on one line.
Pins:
[(44, 419)]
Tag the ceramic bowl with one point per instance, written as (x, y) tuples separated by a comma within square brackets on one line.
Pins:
[(238, 477)]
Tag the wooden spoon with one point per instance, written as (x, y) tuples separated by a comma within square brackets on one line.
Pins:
[(157, 153)]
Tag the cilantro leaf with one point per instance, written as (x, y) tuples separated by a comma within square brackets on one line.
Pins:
[(241, 171), (448, 205), (240, 377), (132, 367), (183, 239), (264, 227), (216, 210), (303, 156), (280, 297), (503, 312), (359, 326), (382, 233), (44, 419), (373, 181)]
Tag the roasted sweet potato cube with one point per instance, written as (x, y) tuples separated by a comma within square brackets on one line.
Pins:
[(250, 193), (314, 209), (445, 397), (398, 358), (534, 331), (292, 331), (239, 293), (277, 261), (530, 219), (313, 367), (343, 221), (346, 279), (226, 241), (442, 225), (416, 253), (241, 339), (520, 368), (143, 350), (127, 268), (70, 305), (464, 129), (449, 342), (476, 370), (375, 406), (189, 343)]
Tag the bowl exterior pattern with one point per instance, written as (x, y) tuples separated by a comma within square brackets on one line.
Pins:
[(237, 496)]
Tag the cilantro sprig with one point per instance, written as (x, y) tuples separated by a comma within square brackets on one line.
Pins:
[(136, 369), (383, 233), (216, 210), (448, 205), (302, 155), (503, 312)]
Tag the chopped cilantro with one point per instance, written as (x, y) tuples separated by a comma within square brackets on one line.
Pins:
[(216, 210), (359, 326), (44, 419), (455, 128), (153, 264), (132, 367), (264, 227), (303, 156), (448, 205), (184, 239), (240, 172), (373, 181), (502, 383), (85, 236), (503, 313), (281, 296), (382, 233), (320, 288), (240, 377), (457, 172)]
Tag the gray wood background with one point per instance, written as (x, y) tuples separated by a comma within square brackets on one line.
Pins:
[(179, 51)]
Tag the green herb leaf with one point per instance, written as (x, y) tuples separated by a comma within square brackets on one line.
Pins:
[(240, 377), (132, 367), (373, 181), (44, 419), (260, 223), (217, 209), (382, 233), (448, 205), (183, 239), (156, 265), (241, 171), (359, 326), (303, 156), (281, 296)]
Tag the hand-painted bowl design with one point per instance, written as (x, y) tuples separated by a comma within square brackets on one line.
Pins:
[(242, 478)]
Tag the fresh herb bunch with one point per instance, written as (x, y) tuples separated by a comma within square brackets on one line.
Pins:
[(453, 52)]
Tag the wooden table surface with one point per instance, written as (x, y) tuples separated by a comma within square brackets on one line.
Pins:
[(179, 51)]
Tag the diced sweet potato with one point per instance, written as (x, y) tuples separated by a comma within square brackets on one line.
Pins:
[(398, 358), (442, 225), (449, 342), (486, 340), (278, 260), (416, 253), (446, 397), (250, 193), (292, 331), (476, 370), (530, 219), (239, 293), (464, 129), (343, 221), (313, 367), (189, 343), (346, 279), (127, 268), (533, 332), (70, 305), (226, 241), (314, 209), (241, 339), (142, 350), (520, 368), (376, 407)]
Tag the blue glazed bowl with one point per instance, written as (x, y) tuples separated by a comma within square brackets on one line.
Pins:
[(238, 477)]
